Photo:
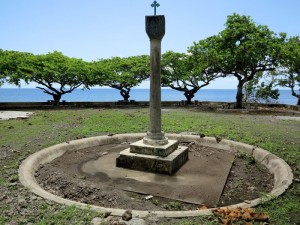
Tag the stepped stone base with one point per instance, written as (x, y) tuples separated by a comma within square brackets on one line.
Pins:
[(153, 163), (161, 150)]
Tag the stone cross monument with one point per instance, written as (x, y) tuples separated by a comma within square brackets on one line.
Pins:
[(155, 153), (154, 5), (155, 28)]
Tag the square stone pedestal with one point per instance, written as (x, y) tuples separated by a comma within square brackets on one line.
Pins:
[(160, 150), (165, 159)]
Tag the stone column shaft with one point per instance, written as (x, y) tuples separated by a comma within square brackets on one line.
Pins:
[(155, 87), (155, 28)]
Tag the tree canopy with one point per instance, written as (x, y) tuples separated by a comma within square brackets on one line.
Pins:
[(121, 73), (55, 73), (10, 62), (289, 69), (186, 72), (244, 50), (261, 89), (2, 74)]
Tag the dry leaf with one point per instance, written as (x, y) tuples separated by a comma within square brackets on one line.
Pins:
[(247, 210), (235, 214), (247, 216), (203, 207), (226, 221), (226, 211), (261, 217), (217, 212), (228, 216)]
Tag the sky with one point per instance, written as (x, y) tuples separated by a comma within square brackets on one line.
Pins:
[(94, 29)]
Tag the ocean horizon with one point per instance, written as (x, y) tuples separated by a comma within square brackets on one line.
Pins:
[(113, 95)]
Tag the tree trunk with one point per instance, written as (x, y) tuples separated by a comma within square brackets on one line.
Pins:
[(189, 96), (297, 96), (56, 97), (239, 96), (125, 94)]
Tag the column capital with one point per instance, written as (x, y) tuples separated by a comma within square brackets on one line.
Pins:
[(155, 27)]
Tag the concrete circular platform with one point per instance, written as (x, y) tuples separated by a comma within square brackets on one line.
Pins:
[(283, 176)]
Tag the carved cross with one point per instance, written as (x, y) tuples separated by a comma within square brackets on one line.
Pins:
[(155, 4)]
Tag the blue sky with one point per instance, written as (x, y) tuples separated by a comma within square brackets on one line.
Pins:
[(93, 29)]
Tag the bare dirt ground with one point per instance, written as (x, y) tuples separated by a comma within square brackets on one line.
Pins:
[(247, 180)]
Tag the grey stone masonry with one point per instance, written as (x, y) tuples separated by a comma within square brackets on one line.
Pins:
[(161, 150), (156, 164), (155, 153), (155, 28)]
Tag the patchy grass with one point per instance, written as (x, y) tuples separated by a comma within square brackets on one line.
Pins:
[(20, 138), (67, 215)]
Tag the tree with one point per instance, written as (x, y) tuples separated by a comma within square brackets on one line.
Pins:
[(10, 62), (2, 75), (246, 50), (189, 72), (261, 90), (55, 73), (121, 73), (290, 66)]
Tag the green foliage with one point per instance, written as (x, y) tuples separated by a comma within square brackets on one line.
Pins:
[(263, 92), (289, 72), (173, 206), (249, 158), (249, 48), (2, 77), (243, 50), (10, 62), (55, 73), (206, 56), (121, 73), (186, 72)]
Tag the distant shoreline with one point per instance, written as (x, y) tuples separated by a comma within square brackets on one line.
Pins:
[(135, 88), (137, 94)]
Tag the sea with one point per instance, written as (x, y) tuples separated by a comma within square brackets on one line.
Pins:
[(112, 95)]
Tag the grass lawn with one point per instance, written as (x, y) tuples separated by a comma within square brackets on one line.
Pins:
[(20, 138)]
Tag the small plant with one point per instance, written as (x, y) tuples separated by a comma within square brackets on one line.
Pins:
[(266, 196), (176, 205), (249, 158), (155, 201), (173, 206)]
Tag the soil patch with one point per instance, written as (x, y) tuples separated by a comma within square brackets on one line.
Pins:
[(199, 173), (64, 177)]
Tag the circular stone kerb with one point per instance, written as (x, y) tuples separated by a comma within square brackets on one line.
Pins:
[(283, 176)]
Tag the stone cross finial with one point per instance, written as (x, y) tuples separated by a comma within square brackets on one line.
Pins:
[(155, 4)]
